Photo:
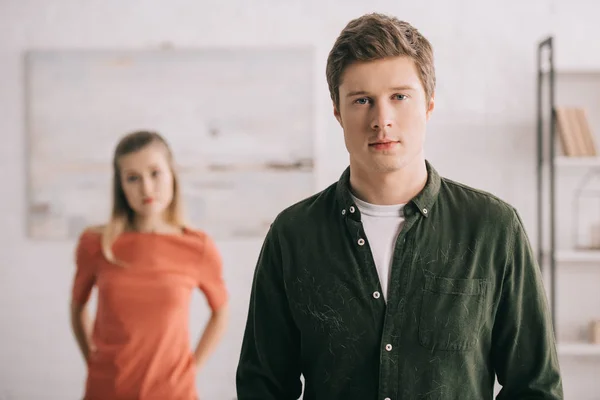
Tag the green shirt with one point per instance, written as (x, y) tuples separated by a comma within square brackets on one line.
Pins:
[(465, 303)]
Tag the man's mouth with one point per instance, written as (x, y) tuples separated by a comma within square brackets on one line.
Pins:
[(383, 144)]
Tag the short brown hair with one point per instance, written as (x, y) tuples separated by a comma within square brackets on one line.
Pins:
[(375, 36)]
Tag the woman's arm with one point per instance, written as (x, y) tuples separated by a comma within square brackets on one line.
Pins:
[(81, 326), (86, 253), (213, 332)]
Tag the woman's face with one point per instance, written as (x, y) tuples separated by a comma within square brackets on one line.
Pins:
[(147, 180)]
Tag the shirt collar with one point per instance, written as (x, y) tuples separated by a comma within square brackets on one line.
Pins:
[(423, 201)]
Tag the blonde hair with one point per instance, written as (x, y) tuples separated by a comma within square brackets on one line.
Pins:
[(122, 216), (376, 36)]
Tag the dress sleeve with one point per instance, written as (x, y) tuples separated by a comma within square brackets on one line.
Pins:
[(85, 267), (211, 275)]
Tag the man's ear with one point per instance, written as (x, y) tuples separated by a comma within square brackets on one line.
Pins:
[(430, 106), (336, 114)]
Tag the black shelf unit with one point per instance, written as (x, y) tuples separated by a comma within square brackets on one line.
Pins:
[(546, 152)]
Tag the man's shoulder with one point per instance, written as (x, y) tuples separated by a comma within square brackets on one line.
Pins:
[(478, 202), (309, 210)]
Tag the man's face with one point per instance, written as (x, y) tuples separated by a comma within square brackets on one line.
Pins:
[(383, 112)]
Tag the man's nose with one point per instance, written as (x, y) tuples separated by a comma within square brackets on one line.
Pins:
[(382, 117)]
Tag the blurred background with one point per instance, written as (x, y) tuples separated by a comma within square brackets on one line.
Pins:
[(239, 90)]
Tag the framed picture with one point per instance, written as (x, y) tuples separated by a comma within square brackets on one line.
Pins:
[(240, 122)]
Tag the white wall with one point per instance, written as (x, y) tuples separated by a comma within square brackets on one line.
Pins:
[(482, 134)]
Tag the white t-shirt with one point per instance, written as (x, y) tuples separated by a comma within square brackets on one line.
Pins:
[(382, 224)]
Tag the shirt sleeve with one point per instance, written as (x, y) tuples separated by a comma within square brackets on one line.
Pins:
[(85, 267), (211, 279), (269, 364), (524, 349)]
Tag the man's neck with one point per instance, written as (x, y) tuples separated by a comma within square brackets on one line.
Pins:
[(397, 187)]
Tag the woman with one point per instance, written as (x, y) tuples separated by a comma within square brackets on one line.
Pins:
[(145, 264)]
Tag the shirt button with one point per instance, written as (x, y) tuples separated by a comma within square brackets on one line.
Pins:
[(376, 295), (361, 241), (343, 212), (352, 209), (388, 347), (424, 211)]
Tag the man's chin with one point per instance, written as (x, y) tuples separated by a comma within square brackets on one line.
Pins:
[(389, 167)]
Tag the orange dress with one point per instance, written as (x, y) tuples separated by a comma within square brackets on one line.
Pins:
[(141, 333)]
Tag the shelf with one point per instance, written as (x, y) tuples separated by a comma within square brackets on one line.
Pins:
[(590, 256), (564, 161), (579, 349), (575, 71)]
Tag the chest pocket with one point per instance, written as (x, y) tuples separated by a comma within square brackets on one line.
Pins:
[(451, 312)]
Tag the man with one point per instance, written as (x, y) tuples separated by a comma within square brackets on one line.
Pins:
[(395, 283)]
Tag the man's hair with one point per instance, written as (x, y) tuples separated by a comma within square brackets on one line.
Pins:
[(376, 36)]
